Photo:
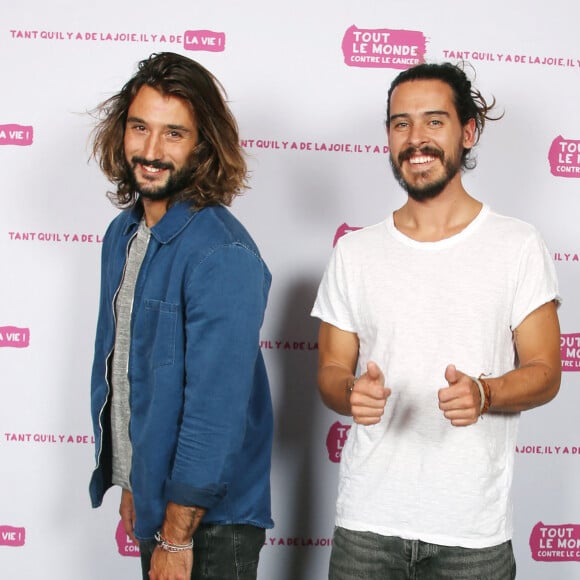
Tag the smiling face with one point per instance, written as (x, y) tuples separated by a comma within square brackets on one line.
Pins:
[(426, 138), (160, 136)]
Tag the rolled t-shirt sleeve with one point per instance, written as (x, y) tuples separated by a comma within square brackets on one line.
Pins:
[(537, 281), (332, 302)]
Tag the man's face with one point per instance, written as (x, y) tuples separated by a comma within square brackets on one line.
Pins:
[(426, 138), (160, 135)]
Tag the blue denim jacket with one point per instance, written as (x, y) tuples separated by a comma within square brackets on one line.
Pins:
[(201, 412)]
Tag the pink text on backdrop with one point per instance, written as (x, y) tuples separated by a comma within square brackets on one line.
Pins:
[(570, 351), (335, 440), (204, 40), (13, 134), (11, 536), (125, 545), (383, 48), (555, 543), (564, 157), (12, 336)]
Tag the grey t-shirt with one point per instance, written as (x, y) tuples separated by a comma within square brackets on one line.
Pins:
[(120, 409)]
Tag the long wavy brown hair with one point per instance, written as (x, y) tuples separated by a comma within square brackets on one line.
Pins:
[(219, 169)]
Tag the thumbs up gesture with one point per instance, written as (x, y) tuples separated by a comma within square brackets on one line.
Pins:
[(460, 401), (369, 396)]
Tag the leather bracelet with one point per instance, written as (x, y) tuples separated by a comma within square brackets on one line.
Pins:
[(170, 547), (484, 394), (487, 392), (481, 394)]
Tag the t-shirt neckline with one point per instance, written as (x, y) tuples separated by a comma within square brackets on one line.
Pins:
[(452, 240)]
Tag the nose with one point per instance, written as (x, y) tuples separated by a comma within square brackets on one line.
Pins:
[(153, 147), (416, 135)]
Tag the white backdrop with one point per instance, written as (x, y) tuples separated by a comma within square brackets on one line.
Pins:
[(307, 82)]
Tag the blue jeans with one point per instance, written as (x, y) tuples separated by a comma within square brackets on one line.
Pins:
[(219, 552), (369, 556)]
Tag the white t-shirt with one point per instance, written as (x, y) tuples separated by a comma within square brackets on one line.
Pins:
[(417, 307)]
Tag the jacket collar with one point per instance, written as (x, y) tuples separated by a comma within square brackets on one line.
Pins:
[(169, 226)]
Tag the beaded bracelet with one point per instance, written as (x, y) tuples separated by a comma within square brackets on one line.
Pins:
[(169, 547)]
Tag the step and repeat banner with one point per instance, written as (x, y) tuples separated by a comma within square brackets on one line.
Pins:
[(307, 82)]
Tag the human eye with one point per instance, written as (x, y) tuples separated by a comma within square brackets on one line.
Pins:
[(435, 122), (400, 124), (137, 127), (175, 134)]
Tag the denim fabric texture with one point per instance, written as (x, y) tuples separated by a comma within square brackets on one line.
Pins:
[(219, 553), (201, 413), (369, 556)]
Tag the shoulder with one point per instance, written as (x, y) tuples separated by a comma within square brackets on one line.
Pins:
[(510, 226), (359, 240), (216, 227), (214, 236), (121, 225)]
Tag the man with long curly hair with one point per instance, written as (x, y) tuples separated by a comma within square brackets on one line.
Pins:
[(439, 325), (181, 403)]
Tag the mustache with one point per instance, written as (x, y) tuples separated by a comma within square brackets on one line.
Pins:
[(155, 163), (406, 154)]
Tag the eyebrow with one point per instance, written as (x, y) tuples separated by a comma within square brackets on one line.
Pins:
[(171, 126), (425, 114)]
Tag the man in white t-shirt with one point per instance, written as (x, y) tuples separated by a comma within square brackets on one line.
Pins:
[(439, 325)]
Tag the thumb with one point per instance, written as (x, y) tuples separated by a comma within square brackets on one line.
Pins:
[(374, 372), (451, 374)]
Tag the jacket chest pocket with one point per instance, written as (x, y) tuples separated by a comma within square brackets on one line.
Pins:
[(158, 333)]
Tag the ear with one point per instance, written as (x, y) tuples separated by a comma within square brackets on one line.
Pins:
[(469, 134)]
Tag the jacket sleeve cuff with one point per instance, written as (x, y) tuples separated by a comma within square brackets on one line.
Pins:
[(183, 494)]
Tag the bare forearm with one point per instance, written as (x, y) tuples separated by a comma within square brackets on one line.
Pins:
[(181, 522), (334, 383), (337, 359), (537, 380), (524, 388)]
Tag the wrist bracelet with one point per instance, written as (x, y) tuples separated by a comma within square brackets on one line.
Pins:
[(169, 547), (484, 394), (487, 391), (481, 394)]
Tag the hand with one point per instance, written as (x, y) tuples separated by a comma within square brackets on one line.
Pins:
[(369, 396), (461, 400), (127, 513), (171, 565)]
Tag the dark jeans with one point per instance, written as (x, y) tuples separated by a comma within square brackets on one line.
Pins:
[(368, 556), (219, 552)]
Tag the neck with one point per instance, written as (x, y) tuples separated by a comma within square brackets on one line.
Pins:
[(153, 210), (435, 219)]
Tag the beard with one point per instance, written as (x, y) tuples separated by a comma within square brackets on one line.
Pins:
[(429, 189), (176, 182)]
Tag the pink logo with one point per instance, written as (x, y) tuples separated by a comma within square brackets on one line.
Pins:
[(555, 543), (570, 351), (16, 134), (14, 337), (204, 40), (383, 48), (342, 230), (126, 546), (564, 157), (10, 536), (335, 440)]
